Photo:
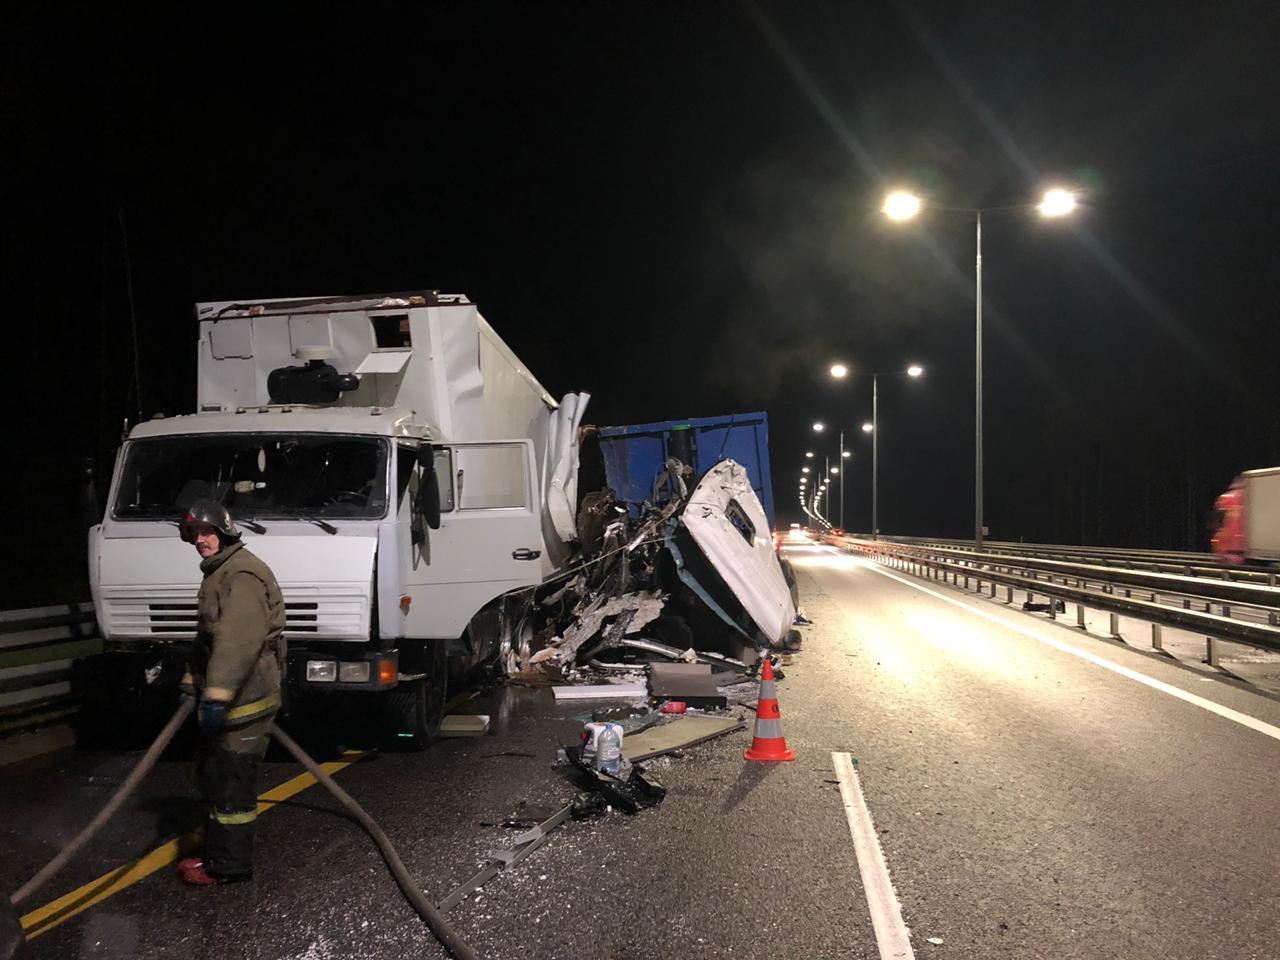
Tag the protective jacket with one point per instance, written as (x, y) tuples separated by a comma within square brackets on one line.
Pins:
[(239, 650), (237, 658)]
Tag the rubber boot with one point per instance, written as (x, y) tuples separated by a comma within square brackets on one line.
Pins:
[(193, 872)]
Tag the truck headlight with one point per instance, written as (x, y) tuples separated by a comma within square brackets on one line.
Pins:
[(354, 672), (322, 671)]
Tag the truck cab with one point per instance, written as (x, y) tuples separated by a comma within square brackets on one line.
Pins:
[(1228, 539), (400, 493)]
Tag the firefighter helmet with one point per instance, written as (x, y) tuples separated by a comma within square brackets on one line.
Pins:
[(208, 513)]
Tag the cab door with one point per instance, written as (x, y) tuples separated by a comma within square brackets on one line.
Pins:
[(489, 540)]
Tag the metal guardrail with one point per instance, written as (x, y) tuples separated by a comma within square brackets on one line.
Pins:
[(1095, 587), (1205, 565), (1234, 596), (37, 650)]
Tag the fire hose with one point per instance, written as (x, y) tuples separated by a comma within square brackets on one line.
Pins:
[(11, 934)]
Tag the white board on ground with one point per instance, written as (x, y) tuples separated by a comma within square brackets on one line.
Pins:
[(601, 691)]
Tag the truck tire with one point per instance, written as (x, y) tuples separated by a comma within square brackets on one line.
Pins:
[(414, 711), (414, 708)]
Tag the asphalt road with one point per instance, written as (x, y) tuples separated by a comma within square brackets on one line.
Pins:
[(1029, 803)]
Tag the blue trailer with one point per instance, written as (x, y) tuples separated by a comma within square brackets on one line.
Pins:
[(635, 457)]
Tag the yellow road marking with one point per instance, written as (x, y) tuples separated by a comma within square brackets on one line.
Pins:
[(44, 919)]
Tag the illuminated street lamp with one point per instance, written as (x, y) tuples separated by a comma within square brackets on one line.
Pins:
[(819, 427), (839, 371), (834, 471), (809, 454), (846, 454), (1057, 203), (900, 206), (804, 469), (914, 371)]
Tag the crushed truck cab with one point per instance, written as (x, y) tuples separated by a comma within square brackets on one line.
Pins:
[(407, 479)]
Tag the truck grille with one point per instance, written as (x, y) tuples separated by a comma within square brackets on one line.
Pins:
[(327, 612)]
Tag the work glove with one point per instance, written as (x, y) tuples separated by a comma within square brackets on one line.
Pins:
[(212, 717)]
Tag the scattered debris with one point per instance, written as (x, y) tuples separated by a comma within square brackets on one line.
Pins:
[(600, 691), (935, 940), (464, 725), (688, 682), (683, 732), (632, 611), (525, 844), (525, 815), (588, 804), (637, 791), (674, 706), (617, 714)]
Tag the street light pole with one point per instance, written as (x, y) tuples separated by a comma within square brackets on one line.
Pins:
[(977, 401), (842, 473), (875, 456), (900, 206)]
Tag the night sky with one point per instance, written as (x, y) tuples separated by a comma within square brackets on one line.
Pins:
[(675, 207)]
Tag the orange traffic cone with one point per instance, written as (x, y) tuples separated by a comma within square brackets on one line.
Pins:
[(768, 743)]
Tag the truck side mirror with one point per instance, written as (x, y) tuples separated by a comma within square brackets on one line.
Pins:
[(428, 504), (429, 499)]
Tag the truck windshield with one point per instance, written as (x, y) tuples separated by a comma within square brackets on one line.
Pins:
[(259, 475)]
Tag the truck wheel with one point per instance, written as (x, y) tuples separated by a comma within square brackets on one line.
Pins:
[(414, 711)]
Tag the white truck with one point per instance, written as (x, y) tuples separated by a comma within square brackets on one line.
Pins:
[(407, 479)]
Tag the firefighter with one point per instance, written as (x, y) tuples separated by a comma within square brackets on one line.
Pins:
[(235, 671)]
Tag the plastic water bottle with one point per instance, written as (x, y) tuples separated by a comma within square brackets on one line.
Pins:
[(609, 749)]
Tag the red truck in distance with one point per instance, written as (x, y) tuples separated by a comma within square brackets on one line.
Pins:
[(1247, 518)]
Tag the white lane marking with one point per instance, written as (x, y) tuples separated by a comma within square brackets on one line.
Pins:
[(892, 936), (1253, 723)]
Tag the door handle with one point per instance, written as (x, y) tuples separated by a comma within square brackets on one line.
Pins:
[(524, 553)]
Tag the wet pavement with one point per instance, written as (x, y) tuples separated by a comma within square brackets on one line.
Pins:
[(1029, 803)]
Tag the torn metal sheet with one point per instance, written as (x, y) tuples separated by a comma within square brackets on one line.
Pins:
[(725, 554), (561, 495), (525, 844), (644, 606), (681, 733), (689, 682), (601, 691), (701, 656)]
